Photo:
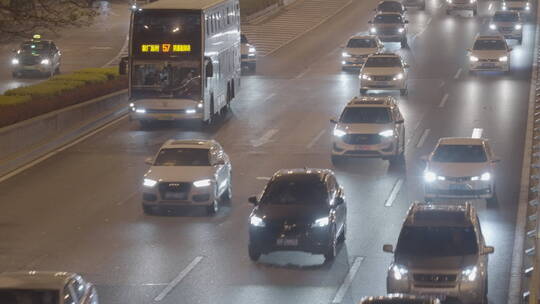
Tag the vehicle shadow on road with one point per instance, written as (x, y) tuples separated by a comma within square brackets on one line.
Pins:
[(301, 260)]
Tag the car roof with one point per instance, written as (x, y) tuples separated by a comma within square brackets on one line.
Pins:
[(300, 172), (384, 1), (461, 141), (189, 143), (440, 215), (34, 279), (389, 13), (183, 4), (373, 101)]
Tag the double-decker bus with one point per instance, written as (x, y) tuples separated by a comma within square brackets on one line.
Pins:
[(184, 59)]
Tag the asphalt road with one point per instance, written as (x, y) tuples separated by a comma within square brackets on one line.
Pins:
[(85, 47), (80, 210)]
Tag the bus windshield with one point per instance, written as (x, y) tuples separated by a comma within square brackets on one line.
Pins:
[(166, 79)]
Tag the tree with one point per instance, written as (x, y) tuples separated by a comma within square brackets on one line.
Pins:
[(22, 18)]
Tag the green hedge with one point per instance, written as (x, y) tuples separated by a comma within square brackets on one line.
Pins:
[(13, 100)]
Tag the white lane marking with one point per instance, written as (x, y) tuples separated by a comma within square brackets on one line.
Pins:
[(269, 97), (302, 74), (423, 138), (263, 178), (315, 139), (477, 133), (120, 53), (393, 194), (429, 21), (264, 139), (442, 84), (100, 48), (348, 280), (457, 73), (154, 284), (178, 279), (443, 100), (54, 152), (490, 6)]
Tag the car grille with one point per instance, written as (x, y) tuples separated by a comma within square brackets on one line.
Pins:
[(361, 139), (243, 56), (488, 60), (458, 179), (30, 60), (434, 278), (174, 191), (507, 28), (382, 78), (287, 226), (387, 31)]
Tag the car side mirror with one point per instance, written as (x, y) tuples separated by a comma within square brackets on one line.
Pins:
[(400, 121), (149, 161), (253, 200), (333, 120), (388, 248), (339, 200), (496, 160), (489, 250)]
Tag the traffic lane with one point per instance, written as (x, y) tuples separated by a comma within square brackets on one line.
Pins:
[(84, 47)]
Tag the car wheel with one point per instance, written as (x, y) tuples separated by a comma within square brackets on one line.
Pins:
[(520, 39), (252, 67), (404, 43), (213, 208), (254, 253), (57, 71), (485, 295), (342, 235), (403, 92), (336, 160), (227, 195), (493, 199), (331, 251)]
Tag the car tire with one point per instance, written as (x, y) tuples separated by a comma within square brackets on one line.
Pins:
[(363, 91), (485, 293), (343, 235), (213, 208), (57, 71), (254, 253), (403, 92), (227, 195), (331, 251), (336, 160), (404, 43), (493, 199)]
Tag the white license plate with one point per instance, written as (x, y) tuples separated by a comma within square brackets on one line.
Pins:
[(365, 148), (287, 242), (383, 83), (175, 196), (458, 187), (488, 65)]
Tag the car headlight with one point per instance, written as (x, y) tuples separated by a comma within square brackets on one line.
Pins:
[(473, 58), (398, 76), (322, 222), (503, 58), (504, 6), (440, 177), (252, 49), (492, 26), (191, 111), (339, 133), (14, 61), (401, 29), (45, 61), (469, 274), (429, 176), (366, 77), (472, 1), (140, 111), (449, 1), (134, 7), (202, 183), (373, 30), (200, 105), (527, 7), (518, 26), (399, 272), (150, 183), (485, 177), (345, 55), (387, 133), (256, 221)]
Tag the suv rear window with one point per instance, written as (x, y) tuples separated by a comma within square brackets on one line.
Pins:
[(437, 241), (295, 190), (366, 115)]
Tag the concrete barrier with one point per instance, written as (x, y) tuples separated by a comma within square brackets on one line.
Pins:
[(28, 140)]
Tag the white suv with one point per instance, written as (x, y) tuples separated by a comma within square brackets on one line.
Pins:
[(460, 167), (384, 71), (489, 53), (187, 173), (357, 50), (508, 24), (369, 127), (516, 5)]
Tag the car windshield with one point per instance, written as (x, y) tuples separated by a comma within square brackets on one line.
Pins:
[(36, 47), (362, 43), (23, 296), (365, 115), (243, 39), (387, 19), (390, 6), (383, 62), (303, 190), (182, 157), (489, 44), (437, 241), (460, 154), (505, 17)]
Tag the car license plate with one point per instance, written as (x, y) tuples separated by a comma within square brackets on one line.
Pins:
[(287, 242), (175, 196), (458, 187), (364, 147), (488, 65), (383, 83), (165, 117)]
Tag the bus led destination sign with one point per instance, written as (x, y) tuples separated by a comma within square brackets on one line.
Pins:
[(165, 48)]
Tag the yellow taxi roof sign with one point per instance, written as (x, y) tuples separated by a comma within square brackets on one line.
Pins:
[(36, 36)]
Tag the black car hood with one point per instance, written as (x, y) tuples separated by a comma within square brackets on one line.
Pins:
[(290, 212), (436, 263)]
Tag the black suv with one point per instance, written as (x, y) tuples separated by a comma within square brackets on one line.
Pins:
[(298, 210)]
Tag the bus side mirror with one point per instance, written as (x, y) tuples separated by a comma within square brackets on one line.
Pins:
[(209, 69), (123, 66)]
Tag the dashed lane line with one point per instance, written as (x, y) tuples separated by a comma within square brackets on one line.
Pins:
[(265, 178), (269, 97), (348, 280), (264, 139), (458, 73), (444, 100), (178, 279), (315, 139), (393, 194), (423, 138)]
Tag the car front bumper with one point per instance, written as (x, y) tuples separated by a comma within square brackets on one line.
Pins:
[(385, 149), (468, 189), (382, 85), (312, 240), (32, 68), (196, 197), (461, 6), (489, 66), (395, 37), (165, 115)]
